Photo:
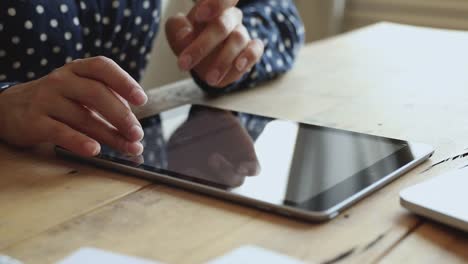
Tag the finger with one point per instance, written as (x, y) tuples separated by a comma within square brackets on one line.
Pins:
[(249, 168), (179, 32), (105, 70), (89, 123), (212, 36), (97, 96), (224, 60), (225, 170), (206, 10), (70, 139), (246, 60)]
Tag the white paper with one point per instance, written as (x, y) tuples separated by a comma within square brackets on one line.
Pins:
[(253, 255), (95, 256)]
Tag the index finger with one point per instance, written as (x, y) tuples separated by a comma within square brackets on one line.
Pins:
[(105, 70), (206, 10)]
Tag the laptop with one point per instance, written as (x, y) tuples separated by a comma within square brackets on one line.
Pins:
[(442, 198)]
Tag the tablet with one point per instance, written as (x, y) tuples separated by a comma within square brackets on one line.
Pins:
[(295, 169)]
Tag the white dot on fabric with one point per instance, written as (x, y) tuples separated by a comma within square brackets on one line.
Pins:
[(30, 51), (268, 68), (268, 10), (138, 20), (63, 8), (86, 31), (280, 17), (43, 62), (281, 47), (2, 53), (254, 34), (15, 40), (142, 50), (122, 56), (39, 9), (279, 63), (118, 28), (56, 49), (128, 36), (108, 45), (287, 43), (134, 42), (155, 13), (76, 21), (97, 43), (254, 75), (269, 53), (28, 24), (146, 4), (133, 65), (145, 27), (115, 50), (67, 35), (97, 17), (30, 75), (105, 20), (82, 5), (53, 23), (16, 65), (87, 55), (127, 12), (43, 37), (68, 59), (2, 78), (11, 11), (253, 21), (1, 27), (79, 46), (115, 4)]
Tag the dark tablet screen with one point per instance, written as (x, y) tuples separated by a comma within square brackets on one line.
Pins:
[(272, 160)]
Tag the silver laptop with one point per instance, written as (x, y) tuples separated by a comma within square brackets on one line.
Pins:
[(442, 198)]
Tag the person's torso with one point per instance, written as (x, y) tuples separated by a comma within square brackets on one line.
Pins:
[(38, 36)]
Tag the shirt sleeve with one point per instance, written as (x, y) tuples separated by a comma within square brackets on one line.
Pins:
[(278, 24), (6, 85)]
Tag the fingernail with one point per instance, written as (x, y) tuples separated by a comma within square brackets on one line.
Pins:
[(138, 97), (135, 148), (136, 133), (185, 62), (213, 77), (241, 64), (183, 33), (91, 148), (205, 12)]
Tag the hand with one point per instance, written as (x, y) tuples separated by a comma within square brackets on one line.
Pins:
[(212, 145), (212, 41), (75, 106)]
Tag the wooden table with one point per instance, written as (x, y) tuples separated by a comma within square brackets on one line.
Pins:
[(387, 79)]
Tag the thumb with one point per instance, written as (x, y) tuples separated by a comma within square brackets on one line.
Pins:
[(179, 32)]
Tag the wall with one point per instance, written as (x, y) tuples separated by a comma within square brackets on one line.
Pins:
[(452, 14)]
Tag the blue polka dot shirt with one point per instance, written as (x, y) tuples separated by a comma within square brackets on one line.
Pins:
[(38, 36)]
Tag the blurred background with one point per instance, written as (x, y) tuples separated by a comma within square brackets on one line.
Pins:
[(323, 19)]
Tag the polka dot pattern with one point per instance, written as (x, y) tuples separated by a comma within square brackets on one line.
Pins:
[(44, 35), (51, 33)]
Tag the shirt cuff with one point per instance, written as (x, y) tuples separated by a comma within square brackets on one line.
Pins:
[(235, 86), (6, 85)]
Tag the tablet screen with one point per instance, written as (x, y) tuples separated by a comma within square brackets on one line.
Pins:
[(272, 160)]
